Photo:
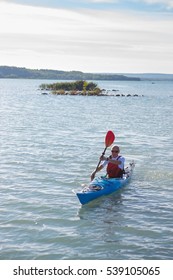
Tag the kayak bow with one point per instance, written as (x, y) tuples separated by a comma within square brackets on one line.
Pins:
[(103, 186)]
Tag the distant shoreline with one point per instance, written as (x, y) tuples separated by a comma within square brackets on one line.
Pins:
[(12, 72)]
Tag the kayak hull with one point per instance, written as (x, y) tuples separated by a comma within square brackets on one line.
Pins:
[(104, 186)]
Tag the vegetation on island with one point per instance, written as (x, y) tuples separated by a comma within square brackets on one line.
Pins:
[(79, 88), (73, 88)]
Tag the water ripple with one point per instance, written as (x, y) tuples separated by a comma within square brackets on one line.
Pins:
[(51, 144)]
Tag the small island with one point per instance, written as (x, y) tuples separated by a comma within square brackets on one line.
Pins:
[(80, 88), (73, 88)]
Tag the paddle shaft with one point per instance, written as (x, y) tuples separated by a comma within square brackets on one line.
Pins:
[(100, 159), (109, 139)]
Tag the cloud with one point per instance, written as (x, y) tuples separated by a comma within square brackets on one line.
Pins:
[(164, 2), (103, 4), (86, 40), (167, 3), (102, 1)]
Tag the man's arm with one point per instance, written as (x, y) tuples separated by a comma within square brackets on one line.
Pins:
[(94, 172)]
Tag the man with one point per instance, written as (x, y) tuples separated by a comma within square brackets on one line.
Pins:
[(114, 164)]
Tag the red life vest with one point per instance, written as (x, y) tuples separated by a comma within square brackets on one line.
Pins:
[(114, 171)]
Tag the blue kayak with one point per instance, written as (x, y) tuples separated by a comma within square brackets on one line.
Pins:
[(103, 186)]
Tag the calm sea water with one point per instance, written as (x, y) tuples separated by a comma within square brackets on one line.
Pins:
[(49, 145)]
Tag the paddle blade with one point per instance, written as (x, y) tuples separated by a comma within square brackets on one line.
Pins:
[(109, 139)]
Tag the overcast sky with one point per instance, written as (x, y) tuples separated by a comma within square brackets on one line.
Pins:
[(118, 36)]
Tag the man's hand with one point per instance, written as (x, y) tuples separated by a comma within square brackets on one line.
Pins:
[(103, 158), (93, 175)]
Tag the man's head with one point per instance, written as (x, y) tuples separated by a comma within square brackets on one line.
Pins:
[(115, 150)]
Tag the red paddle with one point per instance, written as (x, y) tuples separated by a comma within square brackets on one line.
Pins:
[(109, 139)]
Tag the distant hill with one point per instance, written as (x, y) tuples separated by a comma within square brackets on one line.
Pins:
[(152, 76), (24, 73)]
